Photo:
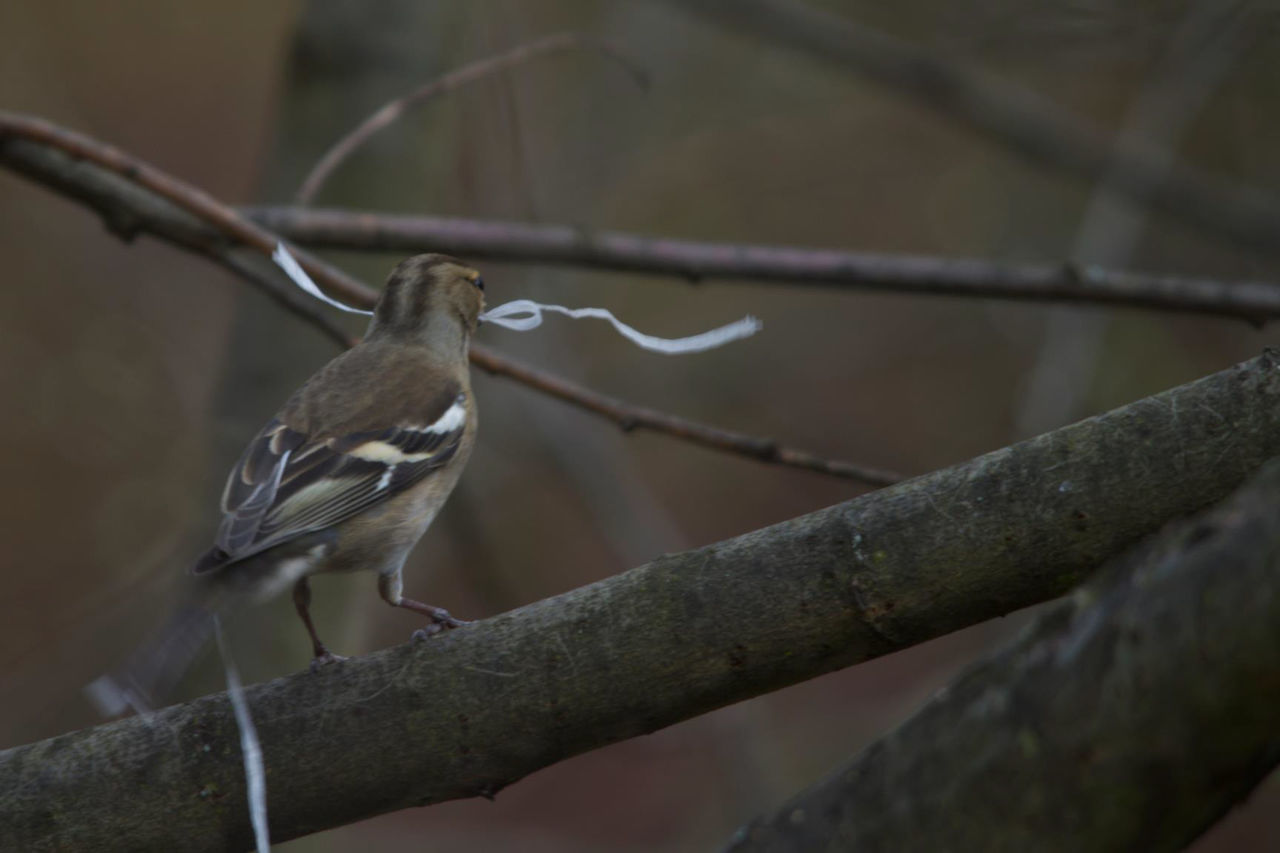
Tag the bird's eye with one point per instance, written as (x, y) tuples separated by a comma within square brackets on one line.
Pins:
[(479, 283)]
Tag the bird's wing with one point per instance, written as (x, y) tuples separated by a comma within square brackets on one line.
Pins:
[(289, 483)]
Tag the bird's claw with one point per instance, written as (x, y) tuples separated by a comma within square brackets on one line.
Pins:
[(423, 634), (324, 659), (442, 622)]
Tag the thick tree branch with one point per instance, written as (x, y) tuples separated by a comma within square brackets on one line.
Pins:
[(133, 197), (612, 250), (1131, 717), (1009, 114), (475, 709), (393, 110)]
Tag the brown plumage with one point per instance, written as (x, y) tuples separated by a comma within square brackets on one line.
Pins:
[(349, 473)]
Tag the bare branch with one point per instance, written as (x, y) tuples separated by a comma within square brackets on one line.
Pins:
[(471, 711), (1210, 38), (629, 416), (390, 112), (1130, 717), (134, 197), (224, 220), (1009, 114), (1255, 301)]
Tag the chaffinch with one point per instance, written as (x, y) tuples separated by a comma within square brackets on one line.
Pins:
[(346, 477)]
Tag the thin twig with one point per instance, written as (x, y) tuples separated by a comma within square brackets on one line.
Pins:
[(1255, 301), (629, 417), (195, 201), (197, 222), (470, 73), (306, 308)]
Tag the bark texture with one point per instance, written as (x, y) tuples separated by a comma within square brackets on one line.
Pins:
[(1130, 717), (469, 712)]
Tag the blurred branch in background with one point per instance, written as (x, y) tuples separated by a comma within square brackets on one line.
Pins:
[(134, 197), (1254, 301), (689, 632), (629, 416), (224, 222), (1210, 38), (347, 145), (55, 158), (1009, 115), (1130, 717)]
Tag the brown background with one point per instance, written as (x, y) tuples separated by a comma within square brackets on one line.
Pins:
[(131, 375)]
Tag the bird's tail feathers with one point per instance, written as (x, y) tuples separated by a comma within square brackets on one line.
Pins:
[(154, 668)]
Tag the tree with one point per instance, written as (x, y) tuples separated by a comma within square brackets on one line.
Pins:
[(702, 628)]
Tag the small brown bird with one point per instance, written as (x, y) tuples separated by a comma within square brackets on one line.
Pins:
[(347, 476)]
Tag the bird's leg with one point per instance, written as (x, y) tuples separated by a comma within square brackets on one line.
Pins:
[(389, 587), (302, 601)]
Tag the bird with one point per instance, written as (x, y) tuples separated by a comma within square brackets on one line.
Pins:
[(347, 476)]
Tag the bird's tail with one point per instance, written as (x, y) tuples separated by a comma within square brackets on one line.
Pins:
[(154, 668)]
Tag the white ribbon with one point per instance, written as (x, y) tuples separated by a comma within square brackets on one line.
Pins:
[(501, 316), (507, 316), (255, 772), (291, 268)]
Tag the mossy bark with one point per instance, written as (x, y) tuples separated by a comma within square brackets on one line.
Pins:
[(1130, 717), (471, 711)]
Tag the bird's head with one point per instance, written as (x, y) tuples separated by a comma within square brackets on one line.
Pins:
[(428, 298)]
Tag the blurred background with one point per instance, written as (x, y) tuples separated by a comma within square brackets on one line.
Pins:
[(133, 374)]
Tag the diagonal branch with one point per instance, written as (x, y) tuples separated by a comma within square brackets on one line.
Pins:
[(1009, 114), (480, 707), (134, 197), (1255, 301), (224, 221), (390, 112), (1131, 717), (630, 417)]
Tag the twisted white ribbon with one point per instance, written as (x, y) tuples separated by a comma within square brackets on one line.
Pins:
[(508, 316), (291, 268), (501, 316)]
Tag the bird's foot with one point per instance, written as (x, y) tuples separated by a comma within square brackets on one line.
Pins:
[(325, 658), (441, 622), (423, 634)]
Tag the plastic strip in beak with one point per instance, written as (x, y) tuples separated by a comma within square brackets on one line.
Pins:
[(522, 315), (506, 315)]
